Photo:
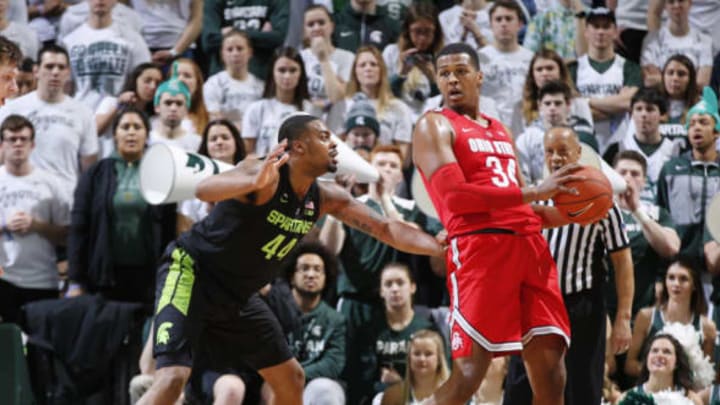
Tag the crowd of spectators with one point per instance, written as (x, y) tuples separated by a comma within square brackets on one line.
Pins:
[(99, 81)]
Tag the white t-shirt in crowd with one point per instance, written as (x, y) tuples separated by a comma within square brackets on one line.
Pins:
[(262, 121), (341, 62), (101, 60), (504, 77), (25, 38), (29, 259), (659, 46), (454, 31), (632, 14), (75, 15), (231, 97), (163, 21), (188, 141), (64, 132)]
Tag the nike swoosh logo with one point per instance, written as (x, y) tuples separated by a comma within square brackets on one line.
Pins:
[(580, 211), (467, 129), (345, 33)]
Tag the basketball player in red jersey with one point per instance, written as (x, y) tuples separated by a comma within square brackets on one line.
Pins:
[(501, 276)]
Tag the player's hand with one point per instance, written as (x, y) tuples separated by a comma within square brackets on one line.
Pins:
[(621, 335), (320, 47), (555, 183), (20, 222), (631, 197), (269, 171), (346, 181)]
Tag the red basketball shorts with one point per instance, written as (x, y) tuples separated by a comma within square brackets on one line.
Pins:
[(503, 291)]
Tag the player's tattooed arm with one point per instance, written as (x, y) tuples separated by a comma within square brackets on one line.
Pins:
[(340, 204)]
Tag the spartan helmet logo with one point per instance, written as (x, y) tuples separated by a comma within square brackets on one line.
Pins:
[(360, 121), (163, 333)]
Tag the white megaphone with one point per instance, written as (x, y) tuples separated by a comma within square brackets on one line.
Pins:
[(349, 162), (169, 174)]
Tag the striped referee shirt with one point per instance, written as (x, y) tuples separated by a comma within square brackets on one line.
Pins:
[(579, 250)]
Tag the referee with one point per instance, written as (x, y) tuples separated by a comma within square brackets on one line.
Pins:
[(579, 252)]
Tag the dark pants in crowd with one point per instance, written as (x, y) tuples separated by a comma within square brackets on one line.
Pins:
[(584, 361), (12, 298)]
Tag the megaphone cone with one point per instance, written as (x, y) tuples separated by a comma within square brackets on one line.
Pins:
[(350, 163), (169, 174)]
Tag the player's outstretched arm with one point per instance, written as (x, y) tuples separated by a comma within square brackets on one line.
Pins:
[(339, 203), (250, 176)]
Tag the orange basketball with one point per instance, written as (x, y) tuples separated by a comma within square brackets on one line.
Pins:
[(593, 201)]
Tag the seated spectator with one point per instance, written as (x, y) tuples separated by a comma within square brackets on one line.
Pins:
[(35, 217), (228, 93), (546, 65), (426, 370), (554, 104), (369, 76), (103, 51), (555, 29), (26, 80), (265, 24), (385, 339), (220, 141), (18, 32), (188, 72), (665, 369), (10, 58), (75, 15), (328, 68), (411, 61), (361, 127), (608, 80), (362, 23), (285, 93), (504, 62), (67, 143), (319, 343), (468, 22), (682, 300), (138, 91), (687, 183), (676, 36), (679, 87), (648, 106), (650, 230), (170, 28), (172, 102), (116, 238)]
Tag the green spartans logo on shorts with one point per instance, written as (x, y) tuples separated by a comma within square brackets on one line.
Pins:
[(163, 334)]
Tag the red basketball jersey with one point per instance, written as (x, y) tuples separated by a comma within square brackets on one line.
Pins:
[(487, 158)]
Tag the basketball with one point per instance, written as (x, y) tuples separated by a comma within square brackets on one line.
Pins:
[(593, 201)]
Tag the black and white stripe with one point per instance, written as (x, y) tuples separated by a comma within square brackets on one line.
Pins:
[(579, 250)]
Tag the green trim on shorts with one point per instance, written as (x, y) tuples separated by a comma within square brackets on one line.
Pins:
[(178, 283)]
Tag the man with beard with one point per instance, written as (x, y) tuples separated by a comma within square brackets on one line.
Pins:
[(172, 102), (207, 283)]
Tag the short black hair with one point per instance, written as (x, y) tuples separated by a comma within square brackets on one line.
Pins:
[(555, 87), (52, 48), (294, 126), (634, 156), (329, 261), (650, 95), (14, 123), (508, 4), (460, 47)]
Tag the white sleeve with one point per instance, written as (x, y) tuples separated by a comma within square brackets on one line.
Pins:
[(402, 129), (650, 50), (106, 105), (252, 120), (89, 140), (212, 93)]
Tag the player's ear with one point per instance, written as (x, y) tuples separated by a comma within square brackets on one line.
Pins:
[(480, 78)]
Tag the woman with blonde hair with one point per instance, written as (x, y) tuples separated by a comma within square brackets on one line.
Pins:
[(369, 76), (427, 370)]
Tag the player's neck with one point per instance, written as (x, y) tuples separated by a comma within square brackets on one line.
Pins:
[(601, 55), (300, 181), (708, 154), (305, 302), (238, 73), (18, 169), (679, 28), (399, 318)]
